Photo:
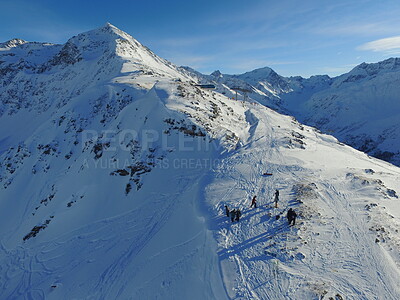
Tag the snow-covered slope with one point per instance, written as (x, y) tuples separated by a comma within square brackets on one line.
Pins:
[(342, 241), (362, 108), (115, 169)]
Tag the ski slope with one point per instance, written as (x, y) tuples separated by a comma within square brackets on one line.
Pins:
[(331, 250), (118, 191)]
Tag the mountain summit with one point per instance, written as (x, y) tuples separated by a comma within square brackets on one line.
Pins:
[(84, 61), (12, 43)]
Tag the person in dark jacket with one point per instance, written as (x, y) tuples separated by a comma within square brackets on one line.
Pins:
[(276, 198), (291, 216), (232, 215), (238, 214), (227, 210), (254, 202)]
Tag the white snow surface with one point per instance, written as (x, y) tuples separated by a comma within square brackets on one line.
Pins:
[(115, 169)]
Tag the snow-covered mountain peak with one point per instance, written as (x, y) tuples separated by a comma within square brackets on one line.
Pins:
[(116, 33), (93, 58), (112, 32), (109, 26), (12, 43), (367, 71), (317, 79), (313, 83), (110, 41), (101, 40), (389, 64), (259, 74), (266, 81), (216, 74)]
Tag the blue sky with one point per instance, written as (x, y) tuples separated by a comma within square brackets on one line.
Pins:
[(306, 37)]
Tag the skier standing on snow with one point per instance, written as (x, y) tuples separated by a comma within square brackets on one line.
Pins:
[(233, 215), (227, 211), (254, 202), (276, 198), (291, 216)]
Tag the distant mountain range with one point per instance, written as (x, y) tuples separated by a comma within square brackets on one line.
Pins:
[(361, 108)]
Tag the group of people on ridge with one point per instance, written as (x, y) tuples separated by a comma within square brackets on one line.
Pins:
[(235, 214)]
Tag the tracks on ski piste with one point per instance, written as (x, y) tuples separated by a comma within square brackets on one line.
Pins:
[(258, 233)]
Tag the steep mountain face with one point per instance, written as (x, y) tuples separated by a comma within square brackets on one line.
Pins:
[(267, 81), (92, 67), (261, 84), (100, 54), (94, 176), (115, 169), (360, 108), (264, 85)]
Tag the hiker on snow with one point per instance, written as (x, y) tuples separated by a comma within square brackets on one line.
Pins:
[(291, 216), (238, 214), (254, 202), (227, 211), (232, 215), (276, 198)]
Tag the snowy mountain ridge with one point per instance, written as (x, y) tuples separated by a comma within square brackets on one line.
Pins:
[(115, 168), (360, 108), (12, 43)]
